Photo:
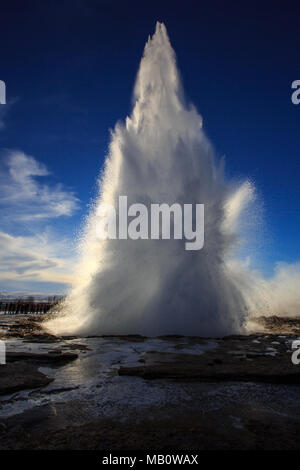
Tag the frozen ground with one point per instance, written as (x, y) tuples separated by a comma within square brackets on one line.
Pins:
[(93, 377), (110, 380)]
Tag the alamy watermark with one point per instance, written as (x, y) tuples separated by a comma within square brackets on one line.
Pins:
[(135, 222), (2, 92), (2, 352), (296, 94), (295, 356)]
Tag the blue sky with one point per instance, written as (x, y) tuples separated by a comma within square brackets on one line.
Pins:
[(69, 68)]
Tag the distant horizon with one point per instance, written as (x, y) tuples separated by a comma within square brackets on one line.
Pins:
[(29, 294)]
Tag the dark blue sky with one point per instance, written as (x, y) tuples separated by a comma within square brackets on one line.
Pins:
[(70, 66)]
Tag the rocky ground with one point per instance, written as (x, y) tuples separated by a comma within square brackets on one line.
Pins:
[(133, 392)]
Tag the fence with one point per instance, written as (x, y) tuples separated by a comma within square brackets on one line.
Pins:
[(25, 308)]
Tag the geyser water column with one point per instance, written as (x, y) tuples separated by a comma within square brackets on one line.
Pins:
[(151, 287)]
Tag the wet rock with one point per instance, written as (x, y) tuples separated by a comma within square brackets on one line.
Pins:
[(131, 338), (40, 338), (217, 366), (44, 419), (248, 428), (76, 347), (19, 376), (52, 391), (51, 357), (29, 418)]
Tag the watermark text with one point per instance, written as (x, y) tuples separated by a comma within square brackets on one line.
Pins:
[(296, 94), (162, 223), (2, 92)]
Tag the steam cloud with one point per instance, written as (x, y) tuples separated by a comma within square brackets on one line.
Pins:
[(151, 287)]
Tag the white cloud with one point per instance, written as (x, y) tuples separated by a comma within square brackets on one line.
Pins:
[(39, 258), (30, 250), (23, 197)]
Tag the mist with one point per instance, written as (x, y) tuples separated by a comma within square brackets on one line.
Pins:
[(160, 154)]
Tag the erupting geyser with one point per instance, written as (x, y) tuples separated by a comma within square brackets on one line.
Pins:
[(161, 155)]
